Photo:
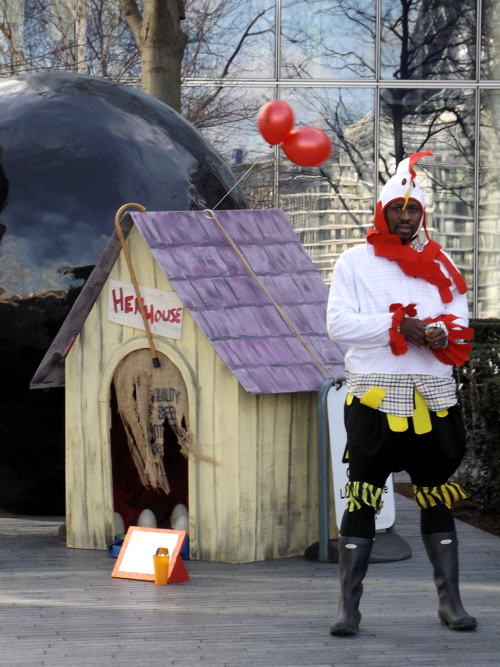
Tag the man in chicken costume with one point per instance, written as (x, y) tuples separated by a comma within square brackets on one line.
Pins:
[(400, 305)]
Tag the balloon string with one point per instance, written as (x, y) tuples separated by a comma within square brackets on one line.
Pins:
[(237, 183)]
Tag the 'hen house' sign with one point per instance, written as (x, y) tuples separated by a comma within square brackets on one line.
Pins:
[(164, 310)]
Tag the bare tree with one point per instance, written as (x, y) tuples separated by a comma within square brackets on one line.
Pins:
[(328, 38), (111, 49), (84, 36), (161, 42), (425, 39), (141, 42), (12, 34), (224, 37)]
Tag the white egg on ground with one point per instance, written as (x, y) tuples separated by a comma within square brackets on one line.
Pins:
[(147, 519), (119, 524), (178, 511), (182, 523)]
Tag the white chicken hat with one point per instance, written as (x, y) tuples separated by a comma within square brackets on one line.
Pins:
[(427, 263), (404, 185)]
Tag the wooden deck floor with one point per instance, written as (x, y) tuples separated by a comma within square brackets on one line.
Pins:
[(61, 607)]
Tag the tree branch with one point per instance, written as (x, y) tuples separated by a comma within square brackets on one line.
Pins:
[(7, 33), (134, 18)]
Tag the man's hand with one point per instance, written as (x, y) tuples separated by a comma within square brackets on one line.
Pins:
[(436, 338), (414, 331)]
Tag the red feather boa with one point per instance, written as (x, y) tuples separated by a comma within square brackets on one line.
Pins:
[(397, 340), (423, 264), (456, 352)]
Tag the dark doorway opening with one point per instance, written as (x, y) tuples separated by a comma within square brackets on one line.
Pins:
[(130, 497)]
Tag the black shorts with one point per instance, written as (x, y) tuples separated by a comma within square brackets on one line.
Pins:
[(375, 451)]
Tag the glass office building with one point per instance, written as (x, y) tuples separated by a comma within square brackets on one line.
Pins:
[(384, 78)]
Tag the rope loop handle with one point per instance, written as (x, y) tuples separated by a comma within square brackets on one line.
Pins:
[(142, 310)]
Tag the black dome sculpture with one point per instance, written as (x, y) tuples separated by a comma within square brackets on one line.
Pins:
[(73, 149)]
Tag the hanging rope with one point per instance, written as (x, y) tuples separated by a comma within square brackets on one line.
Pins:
[(324, 370)]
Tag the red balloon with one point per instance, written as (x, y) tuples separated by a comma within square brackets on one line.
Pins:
[(307, 146), (275, 120)]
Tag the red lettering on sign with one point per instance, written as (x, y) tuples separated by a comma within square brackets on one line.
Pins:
[(150, 313), (128, 303), (117, 301)]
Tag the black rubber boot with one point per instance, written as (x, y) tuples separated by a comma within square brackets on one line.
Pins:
[(354, 555), (442, 549)]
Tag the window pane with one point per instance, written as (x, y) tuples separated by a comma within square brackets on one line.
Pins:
[(328, 39), (331, 206), (443, 121), (490, 62), (489, 207), (428, 39), (227, 117), (230, 39)]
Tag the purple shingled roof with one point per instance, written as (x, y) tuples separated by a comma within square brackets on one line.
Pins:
[(228, 305)]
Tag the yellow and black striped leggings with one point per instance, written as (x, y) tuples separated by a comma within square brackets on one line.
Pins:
[(375, 451)]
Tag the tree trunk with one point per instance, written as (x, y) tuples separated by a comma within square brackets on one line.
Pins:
[(162, 51), (161, 43), (81, 37)]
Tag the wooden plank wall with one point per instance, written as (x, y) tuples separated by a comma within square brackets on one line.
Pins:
[(257, 497), (278, 475)]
